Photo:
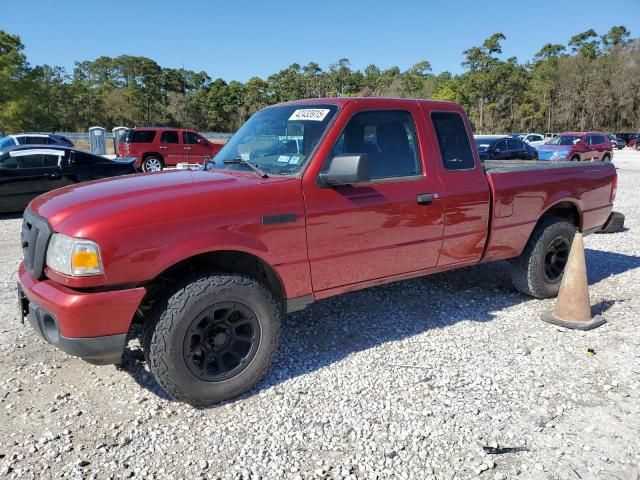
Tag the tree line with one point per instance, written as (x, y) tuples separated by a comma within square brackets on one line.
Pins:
[(592, 82)]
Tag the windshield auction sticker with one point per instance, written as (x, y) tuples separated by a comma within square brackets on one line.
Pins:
[(313, 114)]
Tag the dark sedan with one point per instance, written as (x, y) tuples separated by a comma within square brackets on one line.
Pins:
[(27, 171), (617, 142), (501, 147), (34, 139)]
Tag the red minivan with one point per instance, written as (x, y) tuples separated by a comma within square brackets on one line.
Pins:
[(156, 148)]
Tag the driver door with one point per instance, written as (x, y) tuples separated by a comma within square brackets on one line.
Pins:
[(390, 226)]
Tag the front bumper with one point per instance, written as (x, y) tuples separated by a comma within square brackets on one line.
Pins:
[(92, 325)]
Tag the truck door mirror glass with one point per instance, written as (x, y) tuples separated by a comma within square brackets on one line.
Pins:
[(348, 169)]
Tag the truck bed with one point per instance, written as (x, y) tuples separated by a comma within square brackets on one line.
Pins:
[(523, 190), (497, 166)]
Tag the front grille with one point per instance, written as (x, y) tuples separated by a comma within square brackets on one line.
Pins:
[(34, 237)]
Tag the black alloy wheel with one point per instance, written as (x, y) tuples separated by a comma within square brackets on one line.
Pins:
[(556, 258), (221, 341)]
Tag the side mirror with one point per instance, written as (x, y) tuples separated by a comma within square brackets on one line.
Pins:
[(349, 169)]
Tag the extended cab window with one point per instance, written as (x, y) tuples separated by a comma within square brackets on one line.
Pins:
[(389, 140), (453, 140), (170, 136)]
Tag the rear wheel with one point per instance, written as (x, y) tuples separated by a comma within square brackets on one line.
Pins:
[(152, 164), (212, 338), (537, 272), (575, 158), (606, 158)]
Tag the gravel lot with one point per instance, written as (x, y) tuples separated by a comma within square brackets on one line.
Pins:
[(409, 380)]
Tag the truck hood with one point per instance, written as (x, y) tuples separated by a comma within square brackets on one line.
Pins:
[(137, 199)]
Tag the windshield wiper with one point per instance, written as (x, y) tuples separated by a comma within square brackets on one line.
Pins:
[(242, 161)]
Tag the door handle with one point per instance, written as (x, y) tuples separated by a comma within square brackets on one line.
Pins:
[(54, 175), (426, 198), (187, 148), (163, 148)]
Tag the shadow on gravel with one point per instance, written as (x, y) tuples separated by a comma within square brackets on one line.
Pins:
[(10, 216), (331, 330), (601, 264)]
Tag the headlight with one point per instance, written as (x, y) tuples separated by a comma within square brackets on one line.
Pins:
[(73, 256)]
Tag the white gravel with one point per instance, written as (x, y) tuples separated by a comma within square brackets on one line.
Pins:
[(409, 380)]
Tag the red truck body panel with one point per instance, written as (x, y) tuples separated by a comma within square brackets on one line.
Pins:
[(521, 199), (335, 239)]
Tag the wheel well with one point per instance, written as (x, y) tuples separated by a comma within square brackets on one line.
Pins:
[(152, 154), (566, 210), (228, 261)]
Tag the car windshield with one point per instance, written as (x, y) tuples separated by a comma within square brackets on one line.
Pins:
[(564, 140), (6, 142), (277, 140)]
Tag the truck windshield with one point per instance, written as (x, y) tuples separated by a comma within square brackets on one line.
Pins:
[(277, 140)]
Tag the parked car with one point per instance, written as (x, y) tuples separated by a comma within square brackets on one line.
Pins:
[(34, 139), (616, 142), (27, 171), (629, 137), (382, 190), (156, 148), (500, 147), (533, 139), (577, 146)]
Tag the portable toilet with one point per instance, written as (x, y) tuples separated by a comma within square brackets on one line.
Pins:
[(97, 140), (119, 134)]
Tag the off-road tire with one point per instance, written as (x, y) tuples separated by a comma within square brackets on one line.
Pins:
[(527, 270), (167, 323)]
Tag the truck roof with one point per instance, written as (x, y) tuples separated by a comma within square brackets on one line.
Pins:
[(341, 101)]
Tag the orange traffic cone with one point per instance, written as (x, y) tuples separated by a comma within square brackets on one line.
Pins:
[(573, 308)]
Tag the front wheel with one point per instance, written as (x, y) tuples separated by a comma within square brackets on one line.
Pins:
[(212, 338), (537, 272)]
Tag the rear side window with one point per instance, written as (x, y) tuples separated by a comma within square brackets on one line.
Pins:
[(190, 138), (38, 160), (598, 139), (141, 136), (514, 144), (170, 136), (37, 140), (453, 141)]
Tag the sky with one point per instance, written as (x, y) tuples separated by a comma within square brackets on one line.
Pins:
[(243, 38)]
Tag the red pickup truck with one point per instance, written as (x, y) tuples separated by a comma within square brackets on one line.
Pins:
[(158, 147), (308, 200)]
